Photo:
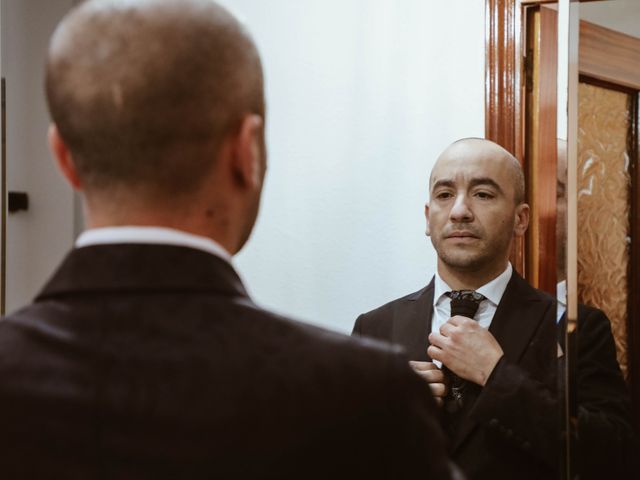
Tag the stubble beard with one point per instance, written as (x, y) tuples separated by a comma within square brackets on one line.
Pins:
[(470, 260)]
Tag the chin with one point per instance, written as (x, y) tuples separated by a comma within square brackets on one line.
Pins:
[(464, 262)]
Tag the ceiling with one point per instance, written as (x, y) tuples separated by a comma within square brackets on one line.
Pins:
[(620, 15)]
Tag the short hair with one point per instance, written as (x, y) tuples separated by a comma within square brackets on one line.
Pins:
[(143, 92)]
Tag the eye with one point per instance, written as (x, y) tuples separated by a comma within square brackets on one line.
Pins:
[(484, 195), (444, 195)]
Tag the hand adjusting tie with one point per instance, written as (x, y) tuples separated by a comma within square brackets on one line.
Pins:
[(464, 303)]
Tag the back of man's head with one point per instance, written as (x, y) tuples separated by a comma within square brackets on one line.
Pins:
[(143, 92)]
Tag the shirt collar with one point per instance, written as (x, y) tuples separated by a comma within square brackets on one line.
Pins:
[(561, 293), (492, 290), (153, 235)]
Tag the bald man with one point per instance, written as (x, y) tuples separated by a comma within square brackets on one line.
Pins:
[(485, 340), (143, 356)]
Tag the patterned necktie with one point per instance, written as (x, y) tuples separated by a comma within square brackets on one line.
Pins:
[(464, 303)]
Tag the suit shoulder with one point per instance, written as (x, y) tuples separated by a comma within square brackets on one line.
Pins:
[(525, 287), (585, 311), (316, 337), (383, 310), (593, 322), (592, 319), (545, 296), (370, 367)]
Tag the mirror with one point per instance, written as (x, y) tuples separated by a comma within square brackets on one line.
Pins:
[(567, 170), (607, 165), (604, 93), (596, 164)]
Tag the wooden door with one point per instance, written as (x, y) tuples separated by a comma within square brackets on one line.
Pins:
[(540, 146)]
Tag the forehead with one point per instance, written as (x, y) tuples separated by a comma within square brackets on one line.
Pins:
[(463, 164)]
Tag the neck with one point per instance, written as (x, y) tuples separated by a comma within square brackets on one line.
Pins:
[(213, 223), (469, 279)]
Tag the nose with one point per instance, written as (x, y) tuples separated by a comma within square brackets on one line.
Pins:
[(460, 211)]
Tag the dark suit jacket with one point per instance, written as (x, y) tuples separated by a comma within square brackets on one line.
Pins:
[(149, 361), (510, 427), (606, 442)]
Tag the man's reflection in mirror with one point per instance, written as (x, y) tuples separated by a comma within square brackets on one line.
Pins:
[(606, 443), (485, 340), (561, 236)]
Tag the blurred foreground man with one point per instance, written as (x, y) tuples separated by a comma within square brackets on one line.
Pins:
[(143, 357), (496, 336)]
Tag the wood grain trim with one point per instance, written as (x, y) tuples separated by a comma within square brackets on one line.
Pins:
[(541, 151), (502, 86), (546, 166), (609, 55), (501, 73)]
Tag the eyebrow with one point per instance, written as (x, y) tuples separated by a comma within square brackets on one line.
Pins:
[(474, 182)]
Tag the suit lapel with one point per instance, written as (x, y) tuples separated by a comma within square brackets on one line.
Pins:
[(519, 315), (412, 323), (517, 318)]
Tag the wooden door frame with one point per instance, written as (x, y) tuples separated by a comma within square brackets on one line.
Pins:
[(504, 37)]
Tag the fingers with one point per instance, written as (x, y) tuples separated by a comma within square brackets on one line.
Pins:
[(438, 383), (462, 323), (428, 371), (450, 328), (437, 339), (439, 390), (447, 329), (435, 352), (421, 366)]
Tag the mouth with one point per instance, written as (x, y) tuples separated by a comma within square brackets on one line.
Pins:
[(462, 235)]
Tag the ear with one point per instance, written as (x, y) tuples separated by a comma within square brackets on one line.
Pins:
[(63, 157), (522, 220), (248, 152), (426, 216)]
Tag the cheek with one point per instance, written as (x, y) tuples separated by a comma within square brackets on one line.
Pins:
[(435, 222), (498, 222)]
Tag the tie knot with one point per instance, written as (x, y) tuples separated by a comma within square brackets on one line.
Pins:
[(465, 302), (468, 295)]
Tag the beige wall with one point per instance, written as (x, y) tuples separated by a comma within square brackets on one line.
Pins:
[(36, 239)]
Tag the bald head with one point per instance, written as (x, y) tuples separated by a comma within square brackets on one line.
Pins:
[(143, 92), (468, 148), (476, 209)]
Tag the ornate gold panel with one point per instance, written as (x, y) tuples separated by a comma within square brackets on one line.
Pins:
[(603, 205)]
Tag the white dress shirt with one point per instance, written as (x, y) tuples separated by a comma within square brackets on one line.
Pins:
[(561, 294), (492, 290), (150, 235)]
